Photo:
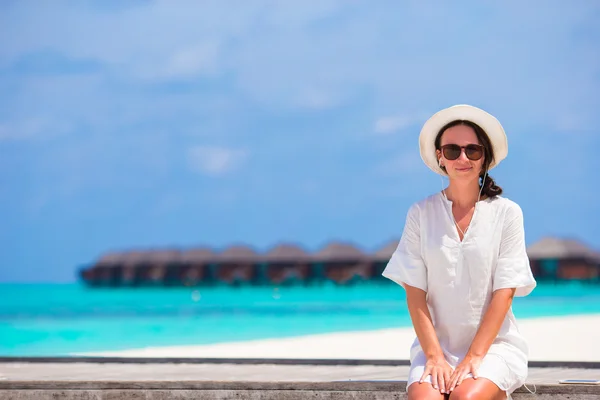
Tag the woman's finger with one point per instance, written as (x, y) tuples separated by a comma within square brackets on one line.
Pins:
[(474, 372), (447, 381), (453, 380), (425, 373), (462, 376), (434, 379), (441, 383)]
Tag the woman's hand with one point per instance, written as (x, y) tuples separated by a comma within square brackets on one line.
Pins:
[(470, 364), (440, 372)]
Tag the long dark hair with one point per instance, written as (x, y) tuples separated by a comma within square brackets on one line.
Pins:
[(490, 189)]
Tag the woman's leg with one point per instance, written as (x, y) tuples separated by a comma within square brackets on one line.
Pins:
[(424, 391), (480, 389)]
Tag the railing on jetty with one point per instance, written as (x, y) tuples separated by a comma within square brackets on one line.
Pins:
[(288, 264)]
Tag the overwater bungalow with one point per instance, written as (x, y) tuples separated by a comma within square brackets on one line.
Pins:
[(107, 271), (381, 258), (342, 263), (554, 258), (285, 264), (152, 268), (236, 265), (128, 271), (289, 264), (194, 267)]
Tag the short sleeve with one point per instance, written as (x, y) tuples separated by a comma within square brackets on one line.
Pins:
[(513, 269), (406, 265)]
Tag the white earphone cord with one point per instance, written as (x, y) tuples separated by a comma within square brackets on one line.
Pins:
[(478, 198)]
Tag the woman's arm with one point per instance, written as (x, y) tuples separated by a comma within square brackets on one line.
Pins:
[(422, 322), (491, 323), (436, 364), (485, 336)]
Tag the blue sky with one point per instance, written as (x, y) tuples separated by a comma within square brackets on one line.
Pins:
[(182, 123)]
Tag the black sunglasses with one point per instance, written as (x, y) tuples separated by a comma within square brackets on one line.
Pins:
[(452, 151)]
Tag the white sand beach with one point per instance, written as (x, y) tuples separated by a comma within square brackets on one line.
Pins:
[(570, 338)]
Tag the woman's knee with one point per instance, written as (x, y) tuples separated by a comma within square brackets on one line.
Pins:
[(482, 389), (472, 394), (423, 391)]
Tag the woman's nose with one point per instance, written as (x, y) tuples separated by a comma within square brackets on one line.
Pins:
[(463, 155)]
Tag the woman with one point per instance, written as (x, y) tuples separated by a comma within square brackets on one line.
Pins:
[(461, 260)]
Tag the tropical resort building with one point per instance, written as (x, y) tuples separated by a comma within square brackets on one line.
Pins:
[(552, 259), (564, 259)]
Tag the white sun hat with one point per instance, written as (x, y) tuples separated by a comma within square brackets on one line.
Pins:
[(486, 121)]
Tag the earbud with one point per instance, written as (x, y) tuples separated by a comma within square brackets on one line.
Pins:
[(441, 165)]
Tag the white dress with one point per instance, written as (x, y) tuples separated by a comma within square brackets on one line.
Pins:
[(460, 277)]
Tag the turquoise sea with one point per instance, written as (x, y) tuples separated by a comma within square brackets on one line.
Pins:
[(57, 320)]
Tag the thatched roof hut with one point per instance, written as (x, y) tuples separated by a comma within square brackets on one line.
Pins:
[(137, 257), (286, 252), (385, 252), (555, 248), (237, 253), (133, 257), (111, 259), (198, 255), (339, 252), (163, 256)]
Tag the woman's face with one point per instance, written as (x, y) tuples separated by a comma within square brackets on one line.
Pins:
[(463, 167)]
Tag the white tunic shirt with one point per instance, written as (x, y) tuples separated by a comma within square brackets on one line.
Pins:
[(459, 277)]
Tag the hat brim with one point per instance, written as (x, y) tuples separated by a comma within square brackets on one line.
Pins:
[(486, 121)]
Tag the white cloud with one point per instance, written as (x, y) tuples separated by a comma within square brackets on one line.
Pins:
[(399, 165), (188, 62), (312, 55), (317, 99), (17, 132), (5, 133), (392, 124), (214, 160), (34, 128), (574, 122), (96, 162), (276, 49)]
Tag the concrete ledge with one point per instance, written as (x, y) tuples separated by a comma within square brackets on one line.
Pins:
[(259, 361), (268, 379), (194, 360), (167, 390)]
